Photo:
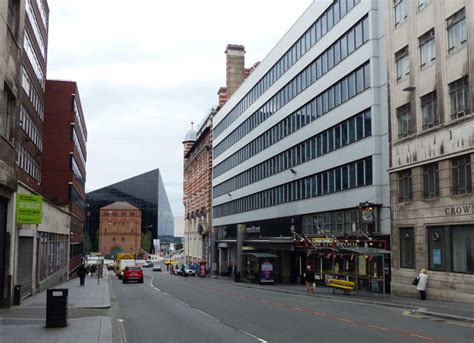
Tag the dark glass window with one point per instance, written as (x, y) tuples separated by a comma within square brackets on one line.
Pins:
[(461, 175), (407, 248), (405, 185), (430, 181)]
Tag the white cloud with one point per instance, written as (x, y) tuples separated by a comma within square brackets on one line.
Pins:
[(146, 69)]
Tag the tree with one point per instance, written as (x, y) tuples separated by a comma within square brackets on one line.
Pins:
[(146, 241)]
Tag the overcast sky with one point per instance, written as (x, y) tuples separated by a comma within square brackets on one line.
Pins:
[(145, 69)]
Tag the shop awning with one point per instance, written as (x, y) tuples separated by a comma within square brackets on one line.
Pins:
[(261, 254), (364, 251)]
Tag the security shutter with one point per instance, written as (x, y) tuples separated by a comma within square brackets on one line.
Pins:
[(25, 265)]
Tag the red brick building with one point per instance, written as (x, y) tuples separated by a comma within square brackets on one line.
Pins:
[(197, 178), (120, 229), (64, 158)]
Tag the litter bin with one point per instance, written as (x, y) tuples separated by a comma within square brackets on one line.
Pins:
[(56, 307), (237, 277), (17, 295)]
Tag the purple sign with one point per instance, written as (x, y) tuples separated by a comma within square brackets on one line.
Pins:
[(266, 271)]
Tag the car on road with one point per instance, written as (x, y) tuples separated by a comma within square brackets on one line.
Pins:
[(190, 271), (148, 264), (132, 273), (157, 269)]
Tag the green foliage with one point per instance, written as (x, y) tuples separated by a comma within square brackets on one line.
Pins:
[(147, 239)]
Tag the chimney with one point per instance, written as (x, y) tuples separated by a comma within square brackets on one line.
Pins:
[(235, 69), (222, 96)]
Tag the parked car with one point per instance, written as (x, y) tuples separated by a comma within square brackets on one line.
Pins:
[(148, 264), (157, 269), (190, 271), (132, 273)]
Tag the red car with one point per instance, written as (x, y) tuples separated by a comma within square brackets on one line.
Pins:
[(132, 273)]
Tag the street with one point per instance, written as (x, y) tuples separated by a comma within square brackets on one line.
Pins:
[(167, 308)]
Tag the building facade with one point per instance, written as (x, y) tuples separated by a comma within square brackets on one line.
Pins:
[(197, 173), (304, 141), (120, 229), (146, 192), (430, 66), (64, 159), (11, 31)]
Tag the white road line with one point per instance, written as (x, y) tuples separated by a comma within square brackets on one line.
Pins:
[(207, 315), (122, 335), (253, 336)]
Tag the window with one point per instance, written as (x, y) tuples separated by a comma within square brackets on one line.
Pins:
[(461, 175), (402, 63), (405, 185), (462, 239), (429, 110), (437, 248), (422, 4), (13, 16), (431, 181), (459, 98), (400, 10), (407, 248), (404, 121), (457, 35), (427, 49), (7, 108)]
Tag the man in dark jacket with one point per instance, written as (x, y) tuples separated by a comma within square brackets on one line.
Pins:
[(81, 272), (309, 280)]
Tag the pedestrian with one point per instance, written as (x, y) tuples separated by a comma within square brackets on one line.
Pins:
[(422, 282), (81, 272), (309, 280)]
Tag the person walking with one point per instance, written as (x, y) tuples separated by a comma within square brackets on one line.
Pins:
[(422, 282), (81, 272), (309, 280)]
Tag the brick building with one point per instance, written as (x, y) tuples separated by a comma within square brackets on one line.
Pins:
[(198, 164), (120, 229), (64, 158)]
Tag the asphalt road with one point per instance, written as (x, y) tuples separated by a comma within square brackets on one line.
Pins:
[(169, 308)]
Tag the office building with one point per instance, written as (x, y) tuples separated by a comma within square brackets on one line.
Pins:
[(146, 192), (303, 142), (64, 159), (429, 47)]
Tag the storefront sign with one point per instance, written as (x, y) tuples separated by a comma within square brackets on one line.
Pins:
[(459, 210), (29, 208), (332, 243), (266, 271)]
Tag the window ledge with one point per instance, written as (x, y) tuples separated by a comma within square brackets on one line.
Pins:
[(457, 49)]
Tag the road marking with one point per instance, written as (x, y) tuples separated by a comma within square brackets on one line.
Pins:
[(281, 305), (320, 314), (264, 301), (422, 337), (253, 336), (207, 314), (164, 293), (122, 335), (379, 327), (345, 320), (297, 309)]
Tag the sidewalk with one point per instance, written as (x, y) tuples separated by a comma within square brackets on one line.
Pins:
[(16, 326), (435, 308)]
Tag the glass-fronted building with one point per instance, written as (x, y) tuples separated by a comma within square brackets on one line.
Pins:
[(146, 192)]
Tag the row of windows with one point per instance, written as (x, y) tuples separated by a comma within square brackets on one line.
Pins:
[(75, 197), (78, 146), (30, 128), (348, 176), (330, 222), (30, 52), (320, 27), (354, 38), (32, 94), (450, 248), (460, 105), (78, 119), (351, 85), (52, 253), (43, 14), (346, 132), (36, 29), (26, 161), (77, 172), (461, 180), (457, 38)]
